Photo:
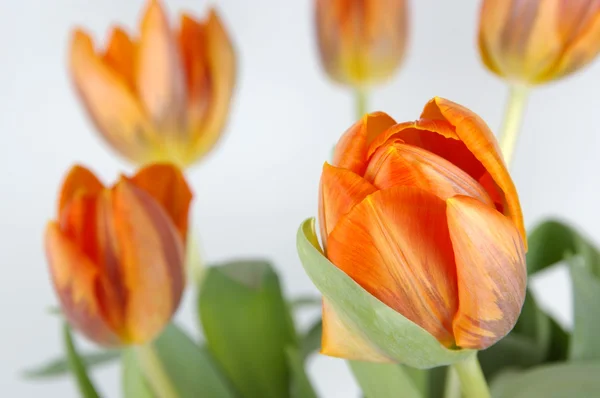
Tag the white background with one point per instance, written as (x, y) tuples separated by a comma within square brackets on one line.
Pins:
[(261, 182)]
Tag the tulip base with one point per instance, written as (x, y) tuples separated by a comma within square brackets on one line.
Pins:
[(154, 371), (472, 380)]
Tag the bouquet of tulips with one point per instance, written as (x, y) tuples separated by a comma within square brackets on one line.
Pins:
[(419, 248)]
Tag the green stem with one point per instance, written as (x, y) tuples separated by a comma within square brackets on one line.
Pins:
[(513, 118), (194, 265), (154, 371), (452, 385), (472, 380), (361, 101)]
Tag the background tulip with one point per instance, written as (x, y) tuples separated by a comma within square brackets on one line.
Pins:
[(163, 96), (425, 217), (116, 254)]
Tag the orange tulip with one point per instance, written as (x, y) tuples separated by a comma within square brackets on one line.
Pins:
[(425, 217), (163, 96), (116, 254), (361, 41), (536, 41)]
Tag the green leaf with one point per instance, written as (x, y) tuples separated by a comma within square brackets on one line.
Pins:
[(188, 367), (77, 367), (586, 326), (311, 340), (559, 343), (381, 380), (554, 381), (300, 384), (133, 381), (392, 334), (60, 367), (248, 327), (514, 351), (305, 302)]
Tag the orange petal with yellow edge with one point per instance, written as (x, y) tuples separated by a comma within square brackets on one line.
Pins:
[(77, 283), (399, 164), (120, 56), (167, 185), (221, 63), (111, 104), (395, 244), (340, 191), (340, 340), (351, 150), (491, 272), (480, 141), (151, 261), (79, 181), (159, 71)]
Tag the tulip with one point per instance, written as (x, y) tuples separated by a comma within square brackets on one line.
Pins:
[(116, 254), (425, 217), (163, 96), (536, 41), (361, 42)]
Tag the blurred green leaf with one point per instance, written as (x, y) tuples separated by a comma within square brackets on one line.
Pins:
[(393, 334), (311, 340), (190, 368), (248, 327), (305, 302), (552, 381), (300, 384), (382, 380), (60, 366), (77, 367), (133, 382)]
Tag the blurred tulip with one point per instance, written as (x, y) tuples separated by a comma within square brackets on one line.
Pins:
[(116, 254), (425, 217), (535, 41), (361, 41), (163, 96)]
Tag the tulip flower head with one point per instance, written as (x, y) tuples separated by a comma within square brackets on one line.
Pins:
[(536, 41), (162, 96), (361, 41), (116, 254), (425, 217)]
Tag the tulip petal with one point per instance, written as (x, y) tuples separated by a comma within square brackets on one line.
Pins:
[(107, 98), (120, 56), (77, 283), (79, 181), (159, 73), (398, 164), (480, 141), (351, 149), (222, 71), (342, 341), (341, 190), (151, 254), (395, 244), (490, 266)]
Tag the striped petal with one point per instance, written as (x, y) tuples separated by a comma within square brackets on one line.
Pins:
[(167, 185), (78, 285), (344, 341), (79, 182), (399, 164), (111, 104), (491, 273), (479, 140), (341, 190), (351, 149), (151, 254), (395, 244)]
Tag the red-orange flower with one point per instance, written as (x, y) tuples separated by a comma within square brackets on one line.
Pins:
[(162, 96), (116, 254), (425, 217), (361, 41), (535, 41)]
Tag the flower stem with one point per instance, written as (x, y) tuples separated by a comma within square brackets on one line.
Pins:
[(472, 380), (194, 264), (513, 118), (452, 385), (361, 101), (154, 371)]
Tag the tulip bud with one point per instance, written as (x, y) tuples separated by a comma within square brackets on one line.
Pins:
[(116, 254), (163, 96), (536, 41), (425, 218), (361, 41)]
